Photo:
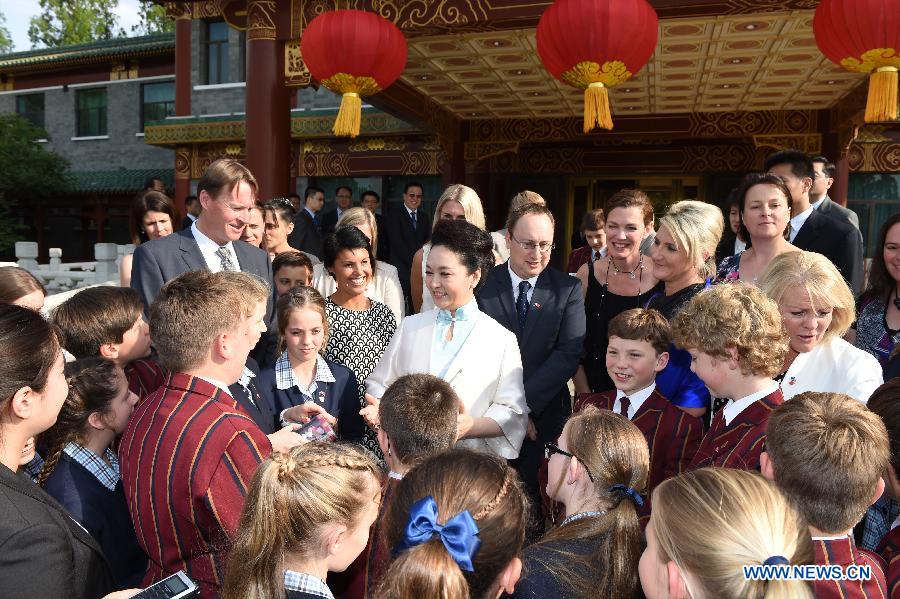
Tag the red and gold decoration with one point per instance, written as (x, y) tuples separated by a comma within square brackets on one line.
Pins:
[(354, 53), (594, 45), (864, 36)]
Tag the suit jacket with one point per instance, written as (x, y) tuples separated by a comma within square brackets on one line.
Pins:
[(838, 241), (258, 409), (828, 207), (186, 222), (844, 552), (163, 259), (187, 458), (578, 257), (306, 236), (329, 222), (739, 444), (45, 552), (403, 242), (890, 553), (145, 376), (486, 374)]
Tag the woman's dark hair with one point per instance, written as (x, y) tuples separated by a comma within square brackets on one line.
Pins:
[(149, 201), (881, 283), (345, 238), (93, 384), (473, 247), (752, 180), (281, 207), (30, 346), (16, 283)]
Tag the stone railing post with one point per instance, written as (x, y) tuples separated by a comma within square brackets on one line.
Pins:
[(26, 255), (106, 269)]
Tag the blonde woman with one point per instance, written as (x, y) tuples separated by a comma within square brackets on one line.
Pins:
[(458, 202), (710, 523), (817, 309), (385, 283)]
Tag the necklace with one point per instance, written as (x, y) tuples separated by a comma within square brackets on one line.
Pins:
[(631, 275)]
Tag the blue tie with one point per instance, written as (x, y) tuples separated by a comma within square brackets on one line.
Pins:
[(522, 303), (412, 215)]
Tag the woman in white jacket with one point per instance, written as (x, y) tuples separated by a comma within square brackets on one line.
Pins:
[(817, 309), (462, 345)]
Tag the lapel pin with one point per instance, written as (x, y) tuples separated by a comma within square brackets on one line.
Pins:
[(537, 305), (793, 381)]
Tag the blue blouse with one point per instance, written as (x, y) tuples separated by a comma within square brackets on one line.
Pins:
[(442, 351)]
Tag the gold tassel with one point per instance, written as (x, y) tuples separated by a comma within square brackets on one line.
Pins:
[(349, 115), (596, 107), (882, 102)]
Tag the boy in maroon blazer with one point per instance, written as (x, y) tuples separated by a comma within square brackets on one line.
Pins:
[(737, 344), (638, 344), (827, 453)]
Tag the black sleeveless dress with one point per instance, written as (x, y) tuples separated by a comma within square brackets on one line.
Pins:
[(601, 306)]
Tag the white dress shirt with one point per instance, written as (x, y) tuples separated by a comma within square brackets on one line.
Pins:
[(797, 222), (636, 400), (739, 246), (208, 248), (217, 383), (734, 407), (516, 279)]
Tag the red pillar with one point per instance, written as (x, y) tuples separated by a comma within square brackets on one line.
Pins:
[(268, 118), (182, 102), (838, 191)]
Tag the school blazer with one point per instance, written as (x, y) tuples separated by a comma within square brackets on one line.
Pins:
[(486, 374), (43, 551), (834, 366)]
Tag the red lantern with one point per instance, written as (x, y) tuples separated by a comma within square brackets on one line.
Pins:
[(354, 53), (864, 36), (596, 44)]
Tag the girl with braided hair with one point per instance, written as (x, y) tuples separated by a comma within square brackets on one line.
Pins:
[(308, 512), (82, 470), (455, 526)]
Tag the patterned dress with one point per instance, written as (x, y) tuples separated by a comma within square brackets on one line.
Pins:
[(872, 332), (357, 339)]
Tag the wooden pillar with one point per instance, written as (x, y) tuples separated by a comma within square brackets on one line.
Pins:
[(268, 101), (182, 177), (838, 191), (182, 100)]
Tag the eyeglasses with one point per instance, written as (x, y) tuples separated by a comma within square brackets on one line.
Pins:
[(551, 448), (530, 246)]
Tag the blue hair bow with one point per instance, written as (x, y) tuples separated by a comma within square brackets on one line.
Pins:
[(623, 490), (459, 535)]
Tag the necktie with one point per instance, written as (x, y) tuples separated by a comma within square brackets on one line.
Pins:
[(316, 222), (624, 404), (522, 303), (412, 215), (225, 258)]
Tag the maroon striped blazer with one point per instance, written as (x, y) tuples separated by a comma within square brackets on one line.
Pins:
[(579, 257), (186, 461), (145, 376), (844, 552), (890, 553), (739, 444)]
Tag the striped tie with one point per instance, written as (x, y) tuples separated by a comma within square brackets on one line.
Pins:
[(225, 258)]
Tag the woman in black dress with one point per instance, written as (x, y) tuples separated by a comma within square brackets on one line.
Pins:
[(621, 280)]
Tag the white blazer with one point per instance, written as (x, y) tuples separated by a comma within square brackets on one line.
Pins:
[(486, 374), (834, 366), (384, 286)]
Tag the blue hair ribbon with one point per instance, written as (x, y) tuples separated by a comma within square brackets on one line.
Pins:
[(631, 493), (459, 535), (777, 560)]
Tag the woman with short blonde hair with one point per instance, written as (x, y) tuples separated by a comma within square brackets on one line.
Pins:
[(817, 309)]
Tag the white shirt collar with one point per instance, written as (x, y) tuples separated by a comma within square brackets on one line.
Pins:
[(734, 407), (192, 217), (217, 383), (208, 248), (816, 205), (637, 399), (797, 221), (516, 279)]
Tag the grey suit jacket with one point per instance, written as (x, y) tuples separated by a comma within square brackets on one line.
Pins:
[(835, 210), (163, 259)]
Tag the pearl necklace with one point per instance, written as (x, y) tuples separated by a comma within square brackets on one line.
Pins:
[(631, 274)]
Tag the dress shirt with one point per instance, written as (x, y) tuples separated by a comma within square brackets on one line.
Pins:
[(442, 351), (636, 400), (734, 407), (285, 378), (816, 205), (311, 213), (306, 583), (739, 246), (192, 217), (516, 279), (797, 222), (208, 248), (217, 383), (105, 471)]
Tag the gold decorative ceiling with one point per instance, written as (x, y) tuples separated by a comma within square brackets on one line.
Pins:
[(728, 63)]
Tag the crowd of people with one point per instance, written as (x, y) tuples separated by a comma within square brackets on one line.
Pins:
[(282, 402)]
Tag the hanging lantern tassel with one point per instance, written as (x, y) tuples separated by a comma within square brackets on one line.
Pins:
[(349, 115), (882, 102), (596, 107)]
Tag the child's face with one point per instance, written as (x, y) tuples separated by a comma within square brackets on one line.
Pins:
[(122, 405), (595, 239), (289, 277), (632, 365), (355, 539), (712, 371), (304, 334), (135, 343), (651, 569)]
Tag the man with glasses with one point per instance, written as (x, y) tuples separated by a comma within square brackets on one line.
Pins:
[(823, 170), (343, 197), (545, 309), (407, 229)]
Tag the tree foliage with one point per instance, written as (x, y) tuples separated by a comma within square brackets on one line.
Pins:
[(29, 173), (6, 43), (67, 22), (153, 19)]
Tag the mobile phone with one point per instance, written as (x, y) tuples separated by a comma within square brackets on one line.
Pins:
[(176, 586), (317, 429)]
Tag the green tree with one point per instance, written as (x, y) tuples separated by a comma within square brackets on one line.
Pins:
[(6, 43), (153, 19), (67, 22), (29, 173)]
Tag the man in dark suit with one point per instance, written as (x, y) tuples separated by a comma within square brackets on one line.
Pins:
[(226, 191), (192, 205), (307, 233), (370, 200), (545, 309), (408, 229), (818, 195), (343, 197), (812, 231)]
